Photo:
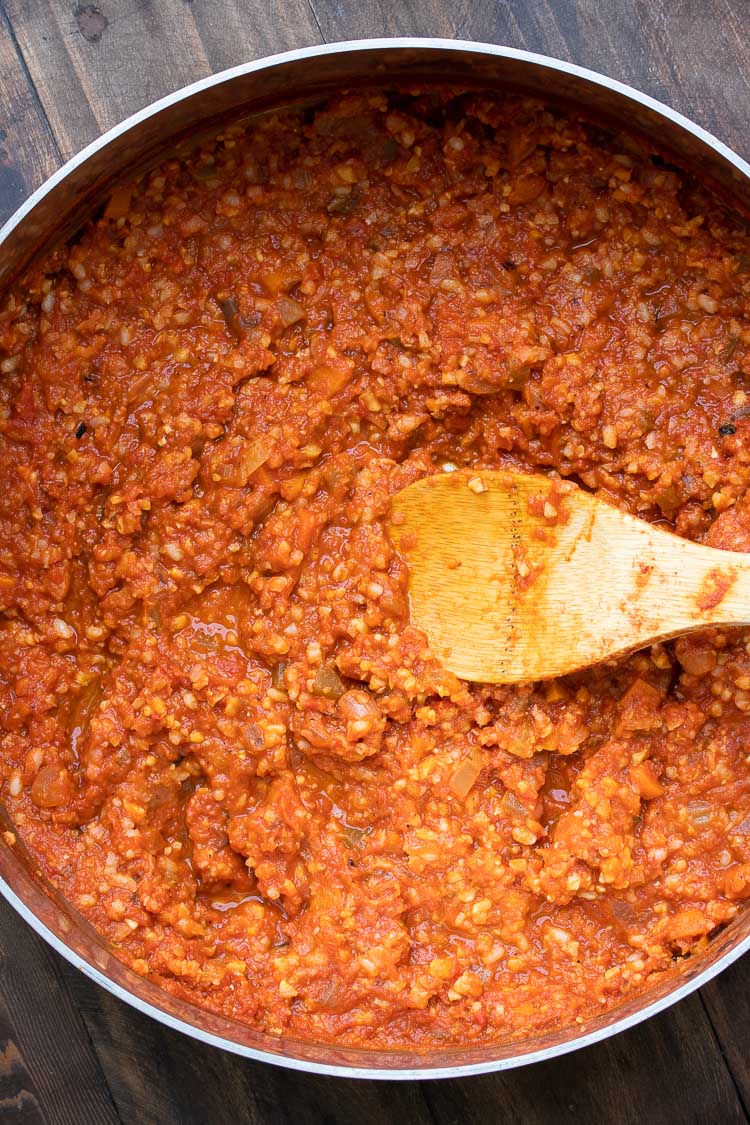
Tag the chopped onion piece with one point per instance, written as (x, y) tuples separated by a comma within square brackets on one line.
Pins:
[(467, 773), (290, 311)]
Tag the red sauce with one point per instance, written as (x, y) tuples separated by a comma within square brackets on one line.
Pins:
[(222, 739)]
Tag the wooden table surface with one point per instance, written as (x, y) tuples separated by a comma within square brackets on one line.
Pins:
[(69, 1052)]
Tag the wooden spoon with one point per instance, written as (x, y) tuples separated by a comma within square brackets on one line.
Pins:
[(516, 577)]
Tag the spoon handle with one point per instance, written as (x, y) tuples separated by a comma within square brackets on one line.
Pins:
[(625, 584), (516, 577), (691, 586)]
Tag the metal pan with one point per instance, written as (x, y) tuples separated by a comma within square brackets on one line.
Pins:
[(59, 208)]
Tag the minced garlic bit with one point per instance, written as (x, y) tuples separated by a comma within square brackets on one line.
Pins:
[(609, 437), (476, 484)]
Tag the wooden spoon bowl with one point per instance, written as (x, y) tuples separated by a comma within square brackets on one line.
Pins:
[(515, 577)]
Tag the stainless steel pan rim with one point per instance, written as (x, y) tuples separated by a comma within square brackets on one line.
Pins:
[(54, 920), (368, 45)]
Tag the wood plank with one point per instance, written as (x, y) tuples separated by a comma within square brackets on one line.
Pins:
[(158, 1075), (340, 19), (668, 1071), (28, 153), (725, 1000), (94, 65), (49, 1071), (692, 56), (250, 31), (689, 55)]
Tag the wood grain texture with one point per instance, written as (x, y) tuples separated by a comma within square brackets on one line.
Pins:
[(71, 1053), (726, 1002), (94, 64), (234, 31), (552, 579), (49, 1070), (93, 70), (28, 152)]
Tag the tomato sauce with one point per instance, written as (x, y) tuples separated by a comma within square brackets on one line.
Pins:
[(221, 737)]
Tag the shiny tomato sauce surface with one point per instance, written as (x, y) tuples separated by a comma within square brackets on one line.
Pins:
[(221, 737)]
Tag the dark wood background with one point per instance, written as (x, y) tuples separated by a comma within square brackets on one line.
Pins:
[(69, 1052)]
